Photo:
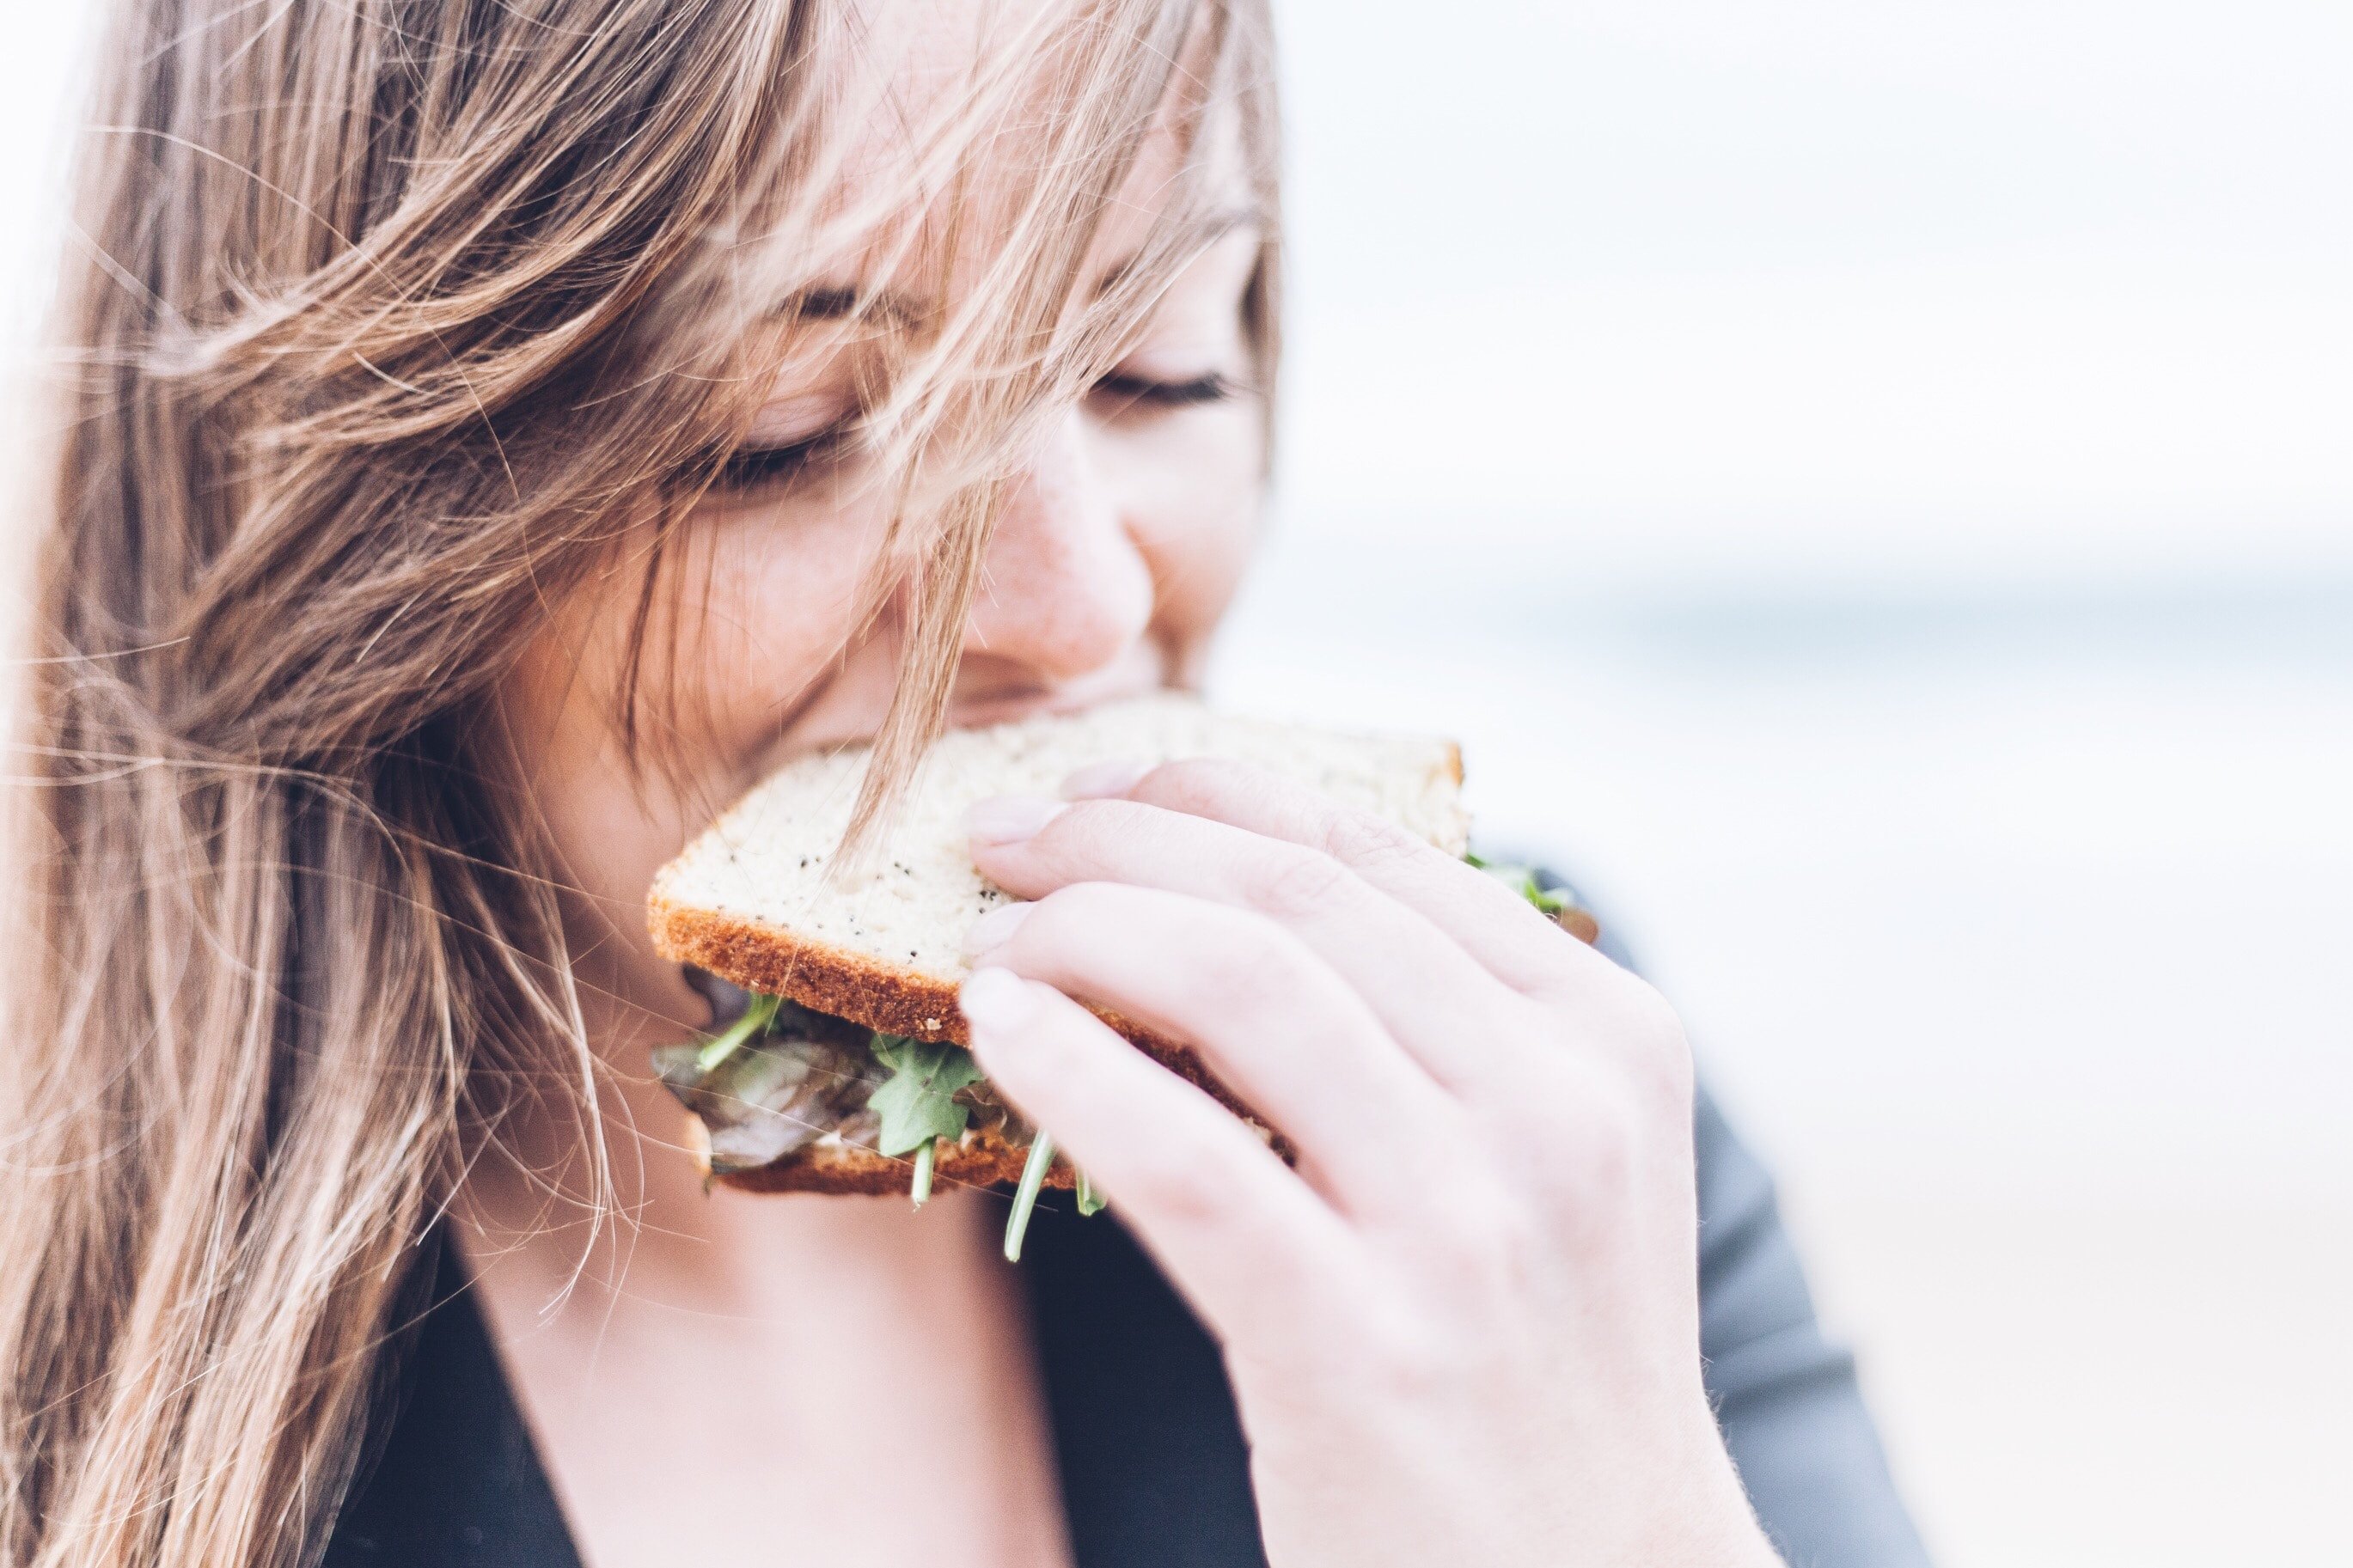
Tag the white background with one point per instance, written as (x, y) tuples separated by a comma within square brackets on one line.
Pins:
[(1872, 486), (1869, 484)]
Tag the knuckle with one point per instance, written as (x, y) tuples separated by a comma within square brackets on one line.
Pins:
[(1193, 782), (1646, 1008), (1082, 825), (1358, 838), (1298, 883), (1660, 1058)]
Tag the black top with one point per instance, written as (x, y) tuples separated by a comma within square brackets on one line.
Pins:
[(1154, 1472)]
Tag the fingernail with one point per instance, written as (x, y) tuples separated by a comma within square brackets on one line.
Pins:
[(993, 929), (996, 1001), (1009, 819), (1105, 781)]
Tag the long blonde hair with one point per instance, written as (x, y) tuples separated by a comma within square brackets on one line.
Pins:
[(390, 320)]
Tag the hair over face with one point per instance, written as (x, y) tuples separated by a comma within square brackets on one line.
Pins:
[(391, 322)]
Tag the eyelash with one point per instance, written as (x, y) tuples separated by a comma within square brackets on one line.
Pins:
[(1134, 389), (756, 468)]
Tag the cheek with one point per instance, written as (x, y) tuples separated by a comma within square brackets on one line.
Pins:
[(1196, 494), (751, 614), (608, 835), (765, 620)]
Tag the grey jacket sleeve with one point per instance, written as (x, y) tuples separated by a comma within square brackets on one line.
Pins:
[(1786, 1396)]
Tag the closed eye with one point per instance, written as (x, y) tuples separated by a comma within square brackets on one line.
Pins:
[(1128, 390), (749, 468)]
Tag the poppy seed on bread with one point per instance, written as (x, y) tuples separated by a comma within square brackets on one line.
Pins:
[(757, 900)]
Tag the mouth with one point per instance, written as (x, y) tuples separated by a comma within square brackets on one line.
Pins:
[(980, 701), (986, 691)]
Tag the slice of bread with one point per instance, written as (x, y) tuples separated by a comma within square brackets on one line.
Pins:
[(752, 902)]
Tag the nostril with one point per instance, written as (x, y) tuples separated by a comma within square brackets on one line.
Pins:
[(728, 1001)]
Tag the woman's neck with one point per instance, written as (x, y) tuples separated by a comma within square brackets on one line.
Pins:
[(659, 1336)]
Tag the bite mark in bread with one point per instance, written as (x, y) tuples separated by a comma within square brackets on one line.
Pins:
[(751, 902)]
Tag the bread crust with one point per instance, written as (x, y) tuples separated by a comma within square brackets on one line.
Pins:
[(874, 994), (759, 956)]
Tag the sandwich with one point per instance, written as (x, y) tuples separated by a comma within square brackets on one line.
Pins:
[(837, 1063)]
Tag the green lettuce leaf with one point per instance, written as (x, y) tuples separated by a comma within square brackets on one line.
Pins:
[(917, 1103), (1522, 879)]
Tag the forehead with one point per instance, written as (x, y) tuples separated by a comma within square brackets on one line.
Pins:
[(953, 111)]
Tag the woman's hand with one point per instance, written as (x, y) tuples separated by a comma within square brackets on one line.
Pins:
[(1466, 1328)]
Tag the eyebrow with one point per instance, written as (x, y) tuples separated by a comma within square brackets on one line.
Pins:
[(840, 302)]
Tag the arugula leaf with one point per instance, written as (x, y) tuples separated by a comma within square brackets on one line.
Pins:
[(1025, 1197), (1521, 879), (755, 1020), (1557, 904), (1552, 900), (917, 1103)]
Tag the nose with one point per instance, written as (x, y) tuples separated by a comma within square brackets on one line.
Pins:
[(1065, 591)]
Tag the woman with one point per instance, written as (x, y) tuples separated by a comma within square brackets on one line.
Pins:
[(500, 431)]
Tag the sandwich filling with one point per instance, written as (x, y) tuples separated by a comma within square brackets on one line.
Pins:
[(780, 1079)]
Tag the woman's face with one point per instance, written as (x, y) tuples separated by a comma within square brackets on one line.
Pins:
[(1127, 529)]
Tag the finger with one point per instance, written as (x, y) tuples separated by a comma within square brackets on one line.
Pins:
[(1494, 925), (1268, 1018), (1235, 1229), (1445, 1008)]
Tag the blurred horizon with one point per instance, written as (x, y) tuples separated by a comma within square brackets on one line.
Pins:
[(2004, 290)]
